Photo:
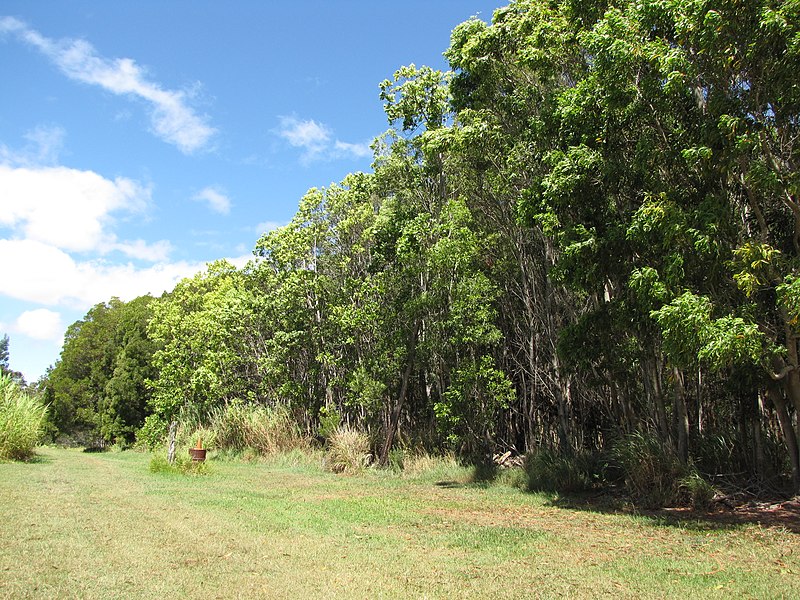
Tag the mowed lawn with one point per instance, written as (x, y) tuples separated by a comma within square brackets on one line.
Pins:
[(77, 525)]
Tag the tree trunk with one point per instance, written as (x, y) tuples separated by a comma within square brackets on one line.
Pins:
[(681, 418), (759, 457), (789, 435), (658, 399), (791, 386), (394, 418)]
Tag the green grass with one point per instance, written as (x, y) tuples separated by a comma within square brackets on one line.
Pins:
[(78, 525)]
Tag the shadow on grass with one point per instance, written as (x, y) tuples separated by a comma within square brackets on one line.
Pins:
[(610, 500), (34, 459), (40, 459), (450, 485), (779, 515), (785, 515)]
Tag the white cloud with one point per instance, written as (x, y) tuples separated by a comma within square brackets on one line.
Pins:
[(40, 324), (266, 226), (63, 206), (316, 139), (142, 250), (172, 119), (47, 275), (216, 199), (309, 135), (72, 209), (357, 150)]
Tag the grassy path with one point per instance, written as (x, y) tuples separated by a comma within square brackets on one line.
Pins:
[(76, 525)]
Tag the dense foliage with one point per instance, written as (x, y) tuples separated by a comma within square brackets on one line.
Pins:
[(588, 230), (98, 390)]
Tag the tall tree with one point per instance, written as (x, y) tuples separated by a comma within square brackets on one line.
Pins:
[(96, 389)]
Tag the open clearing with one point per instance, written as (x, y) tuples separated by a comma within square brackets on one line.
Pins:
[(77, 525)]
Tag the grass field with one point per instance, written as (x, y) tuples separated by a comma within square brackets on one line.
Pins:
[(76, 525)]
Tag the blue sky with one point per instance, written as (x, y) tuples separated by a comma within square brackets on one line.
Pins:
[(141, 140)]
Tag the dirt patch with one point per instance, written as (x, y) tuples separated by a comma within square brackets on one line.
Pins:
[(779, 514), (784, 515)]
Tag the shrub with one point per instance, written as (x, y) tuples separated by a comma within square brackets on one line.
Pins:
[(329, 421), (549, 471), (152, 433), (22, 421), (651, 470), (348, 451)]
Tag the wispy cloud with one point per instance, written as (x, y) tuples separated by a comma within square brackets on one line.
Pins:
[(317, 140), (312, 137), (346, 148), (140, 249), (266, 226), (172, 119), (216, 199), (43, 148)]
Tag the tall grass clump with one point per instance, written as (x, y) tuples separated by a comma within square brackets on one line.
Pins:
[(651, 470), (267, 430), (697, 492), (550, 471), (183, 465), (190, 434), (422, 466), (22, 421), (348, 451)]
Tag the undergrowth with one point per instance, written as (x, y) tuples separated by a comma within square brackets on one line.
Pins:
[(654, 475)]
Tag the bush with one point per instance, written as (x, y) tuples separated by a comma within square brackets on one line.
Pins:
[(549, 471), (651, 470), (22, 421), (329, 421), (348, 451)]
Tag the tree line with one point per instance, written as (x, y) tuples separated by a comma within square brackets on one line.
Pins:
[(589, 227)]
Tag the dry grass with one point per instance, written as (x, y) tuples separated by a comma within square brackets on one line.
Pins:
[(267, 430), (348, 451), (76, 525)]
